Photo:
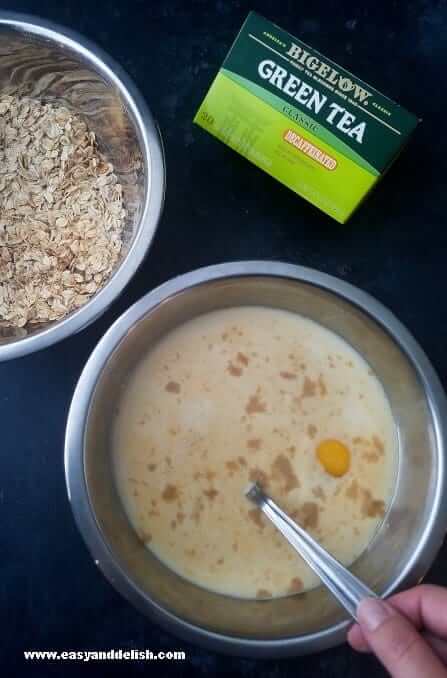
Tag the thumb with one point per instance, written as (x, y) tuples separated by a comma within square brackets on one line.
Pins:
[(397, 644)]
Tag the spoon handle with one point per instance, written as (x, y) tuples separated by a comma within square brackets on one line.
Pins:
[(348, 590)]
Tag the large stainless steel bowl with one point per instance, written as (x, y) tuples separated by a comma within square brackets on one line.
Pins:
[(41, 60), (412, 531)]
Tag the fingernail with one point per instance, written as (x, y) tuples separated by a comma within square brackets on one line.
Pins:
[(372, 612)]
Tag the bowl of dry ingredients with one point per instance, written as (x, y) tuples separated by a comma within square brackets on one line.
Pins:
[(82, 182)]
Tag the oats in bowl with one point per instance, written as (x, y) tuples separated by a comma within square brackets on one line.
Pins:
[(61, 212)]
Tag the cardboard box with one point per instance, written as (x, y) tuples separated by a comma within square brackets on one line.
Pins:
[(303, 119)]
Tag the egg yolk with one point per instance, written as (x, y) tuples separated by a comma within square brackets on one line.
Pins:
[(334, 457)]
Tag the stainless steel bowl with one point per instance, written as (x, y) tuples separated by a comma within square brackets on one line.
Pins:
[(41, 60), (412, 531)]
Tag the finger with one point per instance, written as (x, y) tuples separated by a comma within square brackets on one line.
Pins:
[(397, 644), (425, 606), (358, 642), (438, 645)]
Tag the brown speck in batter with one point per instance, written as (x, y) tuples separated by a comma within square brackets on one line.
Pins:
[(358, 440), (255, 405), (220, 561), (153, 514), (371, 457), (232, 466), (256, 475), (180, 517), (254, 443), (173, 524), (154, 502), (303, 366), (378, 444), (190, 552), (234, 370), (352, 491), (144, 536), (235, 547), (311, 431), (242, 461), (135, 493), (319, 493), (172, 387), (291, 450), (168, 461), (287, 375), (170, 493), (322, 386), (224, 336), (263, 593), (242, 358), (283, 468), (309, 388), (209, 475), (371, 508), (308, 514), (295, 586), (211, 493), (256, 516), (151, 467)]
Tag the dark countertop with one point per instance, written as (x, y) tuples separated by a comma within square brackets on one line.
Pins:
[(218, 208)]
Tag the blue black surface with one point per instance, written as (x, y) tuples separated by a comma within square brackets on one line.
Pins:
[(218, 208)]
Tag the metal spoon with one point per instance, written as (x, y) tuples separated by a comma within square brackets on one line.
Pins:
[(348, 590)]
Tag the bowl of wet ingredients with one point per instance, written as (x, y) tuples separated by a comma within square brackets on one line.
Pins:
[(250, 372)]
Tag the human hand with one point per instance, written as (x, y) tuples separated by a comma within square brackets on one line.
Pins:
[(408, 632)]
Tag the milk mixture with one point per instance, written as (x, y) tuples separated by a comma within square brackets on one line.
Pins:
[(246, 394)]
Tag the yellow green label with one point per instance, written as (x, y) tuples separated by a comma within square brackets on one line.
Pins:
[(284, 149)]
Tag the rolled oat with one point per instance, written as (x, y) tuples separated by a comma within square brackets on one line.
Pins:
[(61, 213)]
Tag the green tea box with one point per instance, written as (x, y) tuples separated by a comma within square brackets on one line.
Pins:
[(308, 122)]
